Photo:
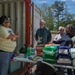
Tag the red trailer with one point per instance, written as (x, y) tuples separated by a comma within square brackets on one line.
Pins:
[(28, 17)]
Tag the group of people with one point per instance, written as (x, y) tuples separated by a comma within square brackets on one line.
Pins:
[(43, 36), (65, 36)]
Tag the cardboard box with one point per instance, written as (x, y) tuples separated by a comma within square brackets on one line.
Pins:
[(39, 50)]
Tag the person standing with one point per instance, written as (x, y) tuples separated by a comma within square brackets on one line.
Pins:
[(70, 31), (7, 44), (43, 35)]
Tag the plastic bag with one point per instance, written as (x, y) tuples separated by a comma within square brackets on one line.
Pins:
[(49, 54)]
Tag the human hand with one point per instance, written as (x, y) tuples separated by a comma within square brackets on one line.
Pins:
[(15, 37), (50, 42), (17, 33)]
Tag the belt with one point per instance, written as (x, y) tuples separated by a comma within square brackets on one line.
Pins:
[(2, 51)]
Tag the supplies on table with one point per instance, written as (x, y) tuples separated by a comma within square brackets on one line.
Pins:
[(49, 54), (30, 51), (63, 55), (72, 52), (39, 49), (48, 45), (23, 49)]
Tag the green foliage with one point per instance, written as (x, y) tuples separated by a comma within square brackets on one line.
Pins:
[(47, 15), (58, 9), (56, 15), (54, 32)]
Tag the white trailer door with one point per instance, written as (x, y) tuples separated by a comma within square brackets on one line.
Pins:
[(36, 16), (15, 9)]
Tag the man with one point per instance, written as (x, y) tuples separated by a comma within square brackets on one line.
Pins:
[(43, 35)]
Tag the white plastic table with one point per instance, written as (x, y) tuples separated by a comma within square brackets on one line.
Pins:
[(26, 60), (21, 59)]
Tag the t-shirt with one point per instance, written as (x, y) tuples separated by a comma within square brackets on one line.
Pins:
[(6, 44), (73, 39), (57, 37), (43, 35)]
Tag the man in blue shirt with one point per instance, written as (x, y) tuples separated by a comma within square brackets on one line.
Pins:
[(43, 35)]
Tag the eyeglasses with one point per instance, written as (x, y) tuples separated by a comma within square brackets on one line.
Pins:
[(60, 30), (7, 22)]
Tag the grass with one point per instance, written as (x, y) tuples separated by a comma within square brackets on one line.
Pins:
[(54, 32)]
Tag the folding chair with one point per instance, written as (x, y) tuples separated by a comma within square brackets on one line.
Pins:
[(45, 69)]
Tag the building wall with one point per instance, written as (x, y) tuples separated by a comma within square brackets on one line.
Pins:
[(36, 15), (19, 12)]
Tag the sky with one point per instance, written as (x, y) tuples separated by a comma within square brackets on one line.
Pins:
[(70, 4)]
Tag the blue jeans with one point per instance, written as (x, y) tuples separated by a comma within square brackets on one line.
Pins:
[(4, 62)]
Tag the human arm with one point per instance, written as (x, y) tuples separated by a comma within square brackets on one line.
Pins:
[(36, 35), (58, 41), (15, 35), (49, 37), (7, 34)]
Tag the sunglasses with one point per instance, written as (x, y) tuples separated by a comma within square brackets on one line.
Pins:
[(60, 30)]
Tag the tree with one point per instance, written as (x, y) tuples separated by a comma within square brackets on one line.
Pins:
[(56, 15), (58, 9), (46, 14)]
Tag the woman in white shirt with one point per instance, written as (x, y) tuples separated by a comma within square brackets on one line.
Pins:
[(60, 33), (58, 38)]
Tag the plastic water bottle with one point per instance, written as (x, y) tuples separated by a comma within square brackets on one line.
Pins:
[(28, 51), (32, 51)]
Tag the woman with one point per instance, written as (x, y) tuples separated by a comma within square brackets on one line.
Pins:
[(7, 44), (58, 37), (70, 30)]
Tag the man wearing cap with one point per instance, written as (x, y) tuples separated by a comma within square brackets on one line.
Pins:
[(43, 35), (7, 44)]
